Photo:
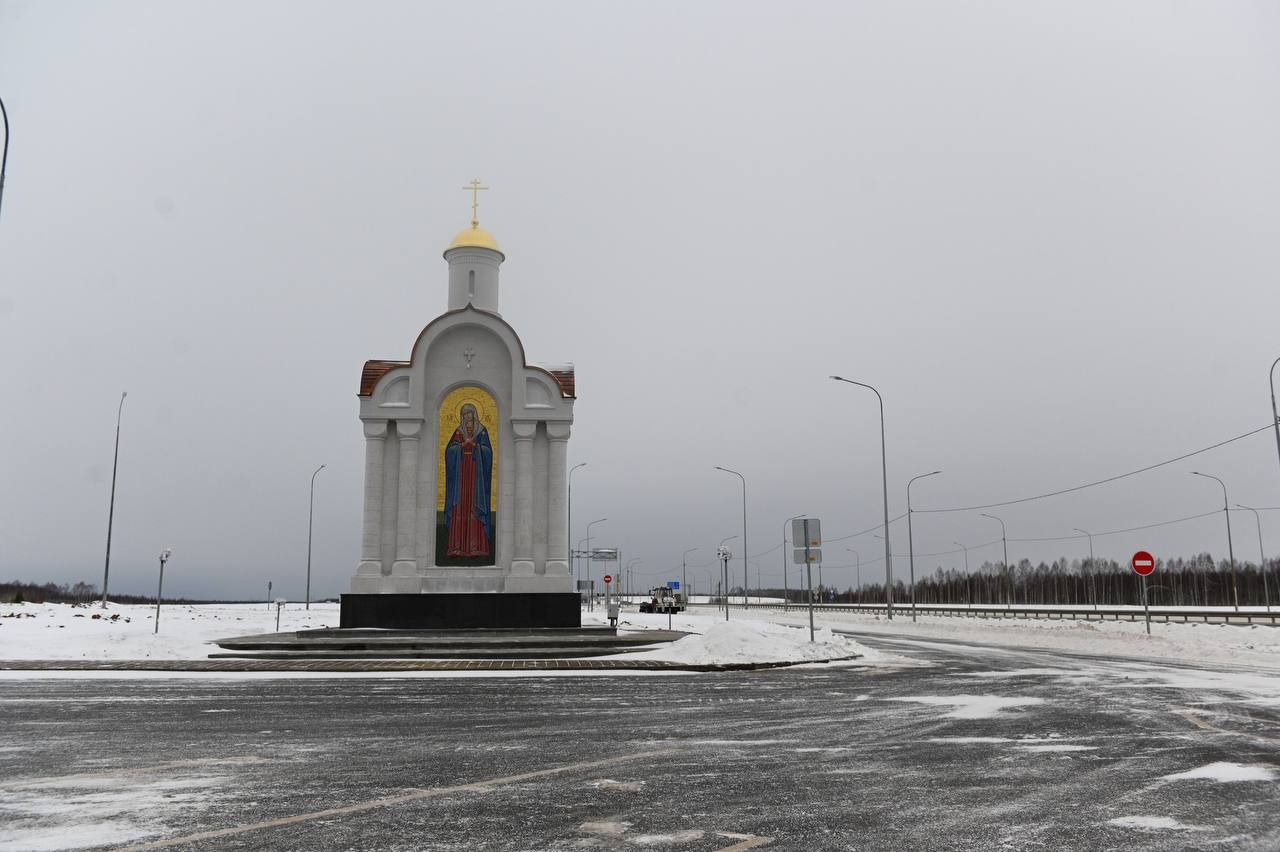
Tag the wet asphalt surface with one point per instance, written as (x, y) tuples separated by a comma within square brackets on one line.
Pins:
[(805, 758)]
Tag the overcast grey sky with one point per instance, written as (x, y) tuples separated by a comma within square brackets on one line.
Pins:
[(1047, 232)]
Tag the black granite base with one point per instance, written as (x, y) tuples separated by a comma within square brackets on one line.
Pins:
[(461, 611)]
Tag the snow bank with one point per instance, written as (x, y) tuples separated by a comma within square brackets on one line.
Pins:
[(750, 641), (127, 631)]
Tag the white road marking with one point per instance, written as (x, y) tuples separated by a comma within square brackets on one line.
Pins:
[(412, 796)]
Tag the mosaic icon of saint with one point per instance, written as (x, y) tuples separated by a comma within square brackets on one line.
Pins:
[(468, 460)]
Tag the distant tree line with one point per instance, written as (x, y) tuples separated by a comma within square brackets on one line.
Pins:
[(1199, 581), (17, 591)]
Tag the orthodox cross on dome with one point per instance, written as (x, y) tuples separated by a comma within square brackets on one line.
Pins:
[(474, 188)]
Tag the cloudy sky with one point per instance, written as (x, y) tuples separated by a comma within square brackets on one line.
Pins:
[(1047, 232)]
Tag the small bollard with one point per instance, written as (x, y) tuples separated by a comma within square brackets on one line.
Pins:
[(280, 602)]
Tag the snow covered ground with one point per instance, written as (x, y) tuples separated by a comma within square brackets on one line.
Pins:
[(126, 632), (1256, 645)]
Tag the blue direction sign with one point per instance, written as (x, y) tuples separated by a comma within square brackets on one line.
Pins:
[(673, 585)]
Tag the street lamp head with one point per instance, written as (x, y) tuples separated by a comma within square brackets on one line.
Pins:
[(837, 378), (165, 554)]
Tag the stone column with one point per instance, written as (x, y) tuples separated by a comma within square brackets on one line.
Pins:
[(406, 564), (375, 445), (522, 562), (557, 503)]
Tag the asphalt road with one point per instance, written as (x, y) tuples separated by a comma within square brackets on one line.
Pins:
[(991, 749)]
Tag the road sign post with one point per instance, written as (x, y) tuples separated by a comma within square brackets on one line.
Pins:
[(1143, 564), (806, 536)]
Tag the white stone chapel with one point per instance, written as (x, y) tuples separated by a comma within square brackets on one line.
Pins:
[(465, 464)]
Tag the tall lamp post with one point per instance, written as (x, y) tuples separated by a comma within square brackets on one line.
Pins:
[(1004, 539), (967, 579), (1274, 416), (1093, 589), (164, 557), (722, 552), (785, 595), (111, 510), (630, 590), (746, 597), (1231, 551), (591, 593), (911, 548), (4, 158), (858, 569), (684, 570), (884, 476), (570, 518), (1262, 556), (310, 513)]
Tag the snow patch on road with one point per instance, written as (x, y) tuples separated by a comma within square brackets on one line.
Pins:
[(1224, 773), (972, 706), (1152, 823)]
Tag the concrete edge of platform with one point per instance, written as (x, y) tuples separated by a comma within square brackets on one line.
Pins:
[(339, 666)]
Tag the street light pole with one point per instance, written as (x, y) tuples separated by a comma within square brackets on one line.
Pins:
[(884, 476), (1005, 541), (858, 557), (310, 513), (570, 518), (1231, 552), (164, 557), (1093, 589), (967, 579), (1274, 416), (4, 157), (746, 597), (591, 593), (111, 510), (724, 571), (1262, 556), (684, 570), (911, 549), (630, 590)]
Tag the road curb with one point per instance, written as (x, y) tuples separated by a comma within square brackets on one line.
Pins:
[(247, 665)]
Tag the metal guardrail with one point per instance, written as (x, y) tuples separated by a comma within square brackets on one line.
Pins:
[(1054, 613)]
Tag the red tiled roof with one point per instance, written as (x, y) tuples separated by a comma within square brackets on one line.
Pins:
[(568, 382), (374, 370)]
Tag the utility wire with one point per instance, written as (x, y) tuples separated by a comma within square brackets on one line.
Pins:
[(1100, 481)]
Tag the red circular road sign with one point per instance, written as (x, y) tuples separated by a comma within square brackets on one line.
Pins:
[(1143, 563), (608, 578)]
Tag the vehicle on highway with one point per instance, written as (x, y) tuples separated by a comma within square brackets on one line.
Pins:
[(662, 599)]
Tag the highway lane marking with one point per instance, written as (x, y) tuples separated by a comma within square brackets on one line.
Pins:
[(414, 795)]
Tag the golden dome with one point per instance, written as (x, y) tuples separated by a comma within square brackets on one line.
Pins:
[(474, 237)]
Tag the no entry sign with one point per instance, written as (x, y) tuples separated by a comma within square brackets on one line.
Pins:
[(1143, 563), (608, 578)]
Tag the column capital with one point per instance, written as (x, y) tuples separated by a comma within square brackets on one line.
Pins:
[(375, 429), (558, 431), (524, 429), (408, 429)]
